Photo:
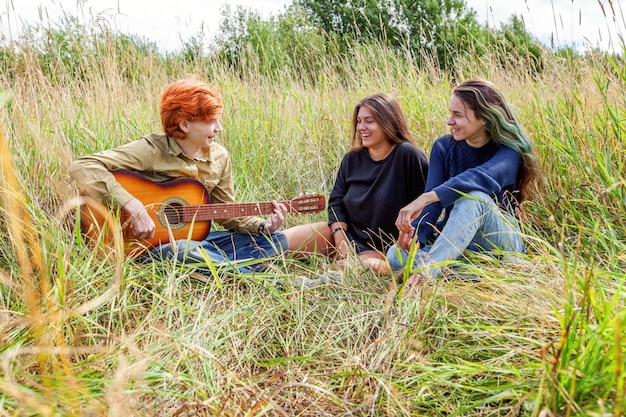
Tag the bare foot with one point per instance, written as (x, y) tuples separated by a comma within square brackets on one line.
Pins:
[(379, 266), (414, 282)]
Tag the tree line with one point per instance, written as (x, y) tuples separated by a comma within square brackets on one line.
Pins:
[(440, 31), (305, 37)]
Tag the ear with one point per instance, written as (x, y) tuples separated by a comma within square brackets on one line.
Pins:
[(183, 126)]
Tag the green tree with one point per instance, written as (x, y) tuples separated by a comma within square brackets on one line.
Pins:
[(444, 32), (513, 40), (73, 49), (441, 27), (287, 42)]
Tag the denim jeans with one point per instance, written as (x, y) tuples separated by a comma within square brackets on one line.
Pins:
[(225, 248), (475, 223)]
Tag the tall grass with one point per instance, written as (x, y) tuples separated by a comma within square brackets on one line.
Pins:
[(88, 334)]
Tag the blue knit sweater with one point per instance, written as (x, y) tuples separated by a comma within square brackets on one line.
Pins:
[(456, 169)]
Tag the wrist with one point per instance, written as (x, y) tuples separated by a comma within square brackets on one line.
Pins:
[(337, 229), (262, 229), (430, 197)]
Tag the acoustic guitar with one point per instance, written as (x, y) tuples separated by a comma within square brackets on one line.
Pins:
[(180, 208)]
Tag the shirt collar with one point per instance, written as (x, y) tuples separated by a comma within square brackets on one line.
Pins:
[(175, 150)]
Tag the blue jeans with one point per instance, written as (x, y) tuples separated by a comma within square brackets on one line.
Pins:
[(225, 248), (476, 223)]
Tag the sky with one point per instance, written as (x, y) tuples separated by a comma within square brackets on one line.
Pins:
[(577, 23)]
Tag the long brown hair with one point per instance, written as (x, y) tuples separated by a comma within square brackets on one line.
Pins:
[(388, 114), (503, 128)]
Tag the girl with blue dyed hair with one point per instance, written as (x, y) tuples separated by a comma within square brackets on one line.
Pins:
[(478, 175)]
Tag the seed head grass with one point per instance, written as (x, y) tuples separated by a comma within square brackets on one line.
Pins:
[(91, 332)]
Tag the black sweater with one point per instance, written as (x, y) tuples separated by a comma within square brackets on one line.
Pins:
[(369, 194)]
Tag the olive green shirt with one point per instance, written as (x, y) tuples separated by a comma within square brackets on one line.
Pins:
[(159, 158)]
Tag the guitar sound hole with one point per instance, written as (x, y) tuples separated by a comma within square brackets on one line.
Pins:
[(173, 214)]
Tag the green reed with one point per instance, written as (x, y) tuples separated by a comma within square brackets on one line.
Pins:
[(87, 333)]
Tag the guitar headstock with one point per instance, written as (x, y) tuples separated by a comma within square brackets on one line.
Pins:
[(308, 203)]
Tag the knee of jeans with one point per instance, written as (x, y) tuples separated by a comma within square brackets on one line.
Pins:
[(190, 249), (273, 244), (480, 195), (279, 240), (396, 258), (176, 250), (473, 198)]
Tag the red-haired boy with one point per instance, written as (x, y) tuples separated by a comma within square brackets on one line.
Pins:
[(190, 115)]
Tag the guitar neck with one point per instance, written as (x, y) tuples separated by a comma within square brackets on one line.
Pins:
[(205, 212)]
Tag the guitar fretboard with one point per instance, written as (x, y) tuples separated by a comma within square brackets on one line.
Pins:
[(206, 212)]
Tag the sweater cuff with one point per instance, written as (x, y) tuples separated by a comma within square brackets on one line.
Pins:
[(447, 196)]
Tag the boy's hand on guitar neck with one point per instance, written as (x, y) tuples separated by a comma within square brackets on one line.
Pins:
[(277, 217), (142, 225)]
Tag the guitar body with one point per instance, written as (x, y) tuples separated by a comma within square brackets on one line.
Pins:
[(164, 202), (180, 209)]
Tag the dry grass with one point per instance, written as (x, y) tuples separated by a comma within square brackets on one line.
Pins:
[(87, 335)]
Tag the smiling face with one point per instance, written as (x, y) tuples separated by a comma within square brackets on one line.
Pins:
[(372, 135), (464, 125), (199, 135), (188, 100)]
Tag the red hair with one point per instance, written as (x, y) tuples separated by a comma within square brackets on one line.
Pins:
[(191, 100)]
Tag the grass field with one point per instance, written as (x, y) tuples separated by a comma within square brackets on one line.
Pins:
[(82, 334)]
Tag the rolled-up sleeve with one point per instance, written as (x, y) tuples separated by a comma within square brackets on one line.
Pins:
[(93, 175)]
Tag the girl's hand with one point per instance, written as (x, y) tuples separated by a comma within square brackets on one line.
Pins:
[(405, 239), (340, 240), (412, 210), (343, 248)]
